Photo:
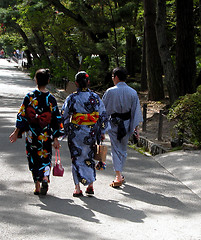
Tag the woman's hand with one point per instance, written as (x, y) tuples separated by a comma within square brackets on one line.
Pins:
[(136, 133), (56, 143), (102, 137), (13, 136)]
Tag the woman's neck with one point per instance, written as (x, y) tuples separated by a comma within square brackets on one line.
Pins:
[(42, 89)]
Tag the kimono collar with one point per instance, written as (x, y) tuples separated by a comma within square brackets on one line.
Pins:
[(121, 84), (82, 90), (39, 92)]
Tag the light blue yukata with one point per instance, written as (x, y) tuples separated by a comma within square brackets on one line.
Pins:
[(84, 118), (121, 100)]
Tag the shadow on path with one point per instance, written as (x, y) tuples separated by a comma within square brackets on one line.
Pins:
[(153, 198), (110, 208), (114, 209), (65, 207)]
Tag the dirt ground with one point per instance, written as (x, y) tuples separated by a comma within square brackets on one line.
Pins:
[(152, 122)]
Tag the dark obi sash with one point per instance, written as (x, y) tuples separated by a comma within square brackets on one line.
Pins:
[(38, 119), (118, 119)]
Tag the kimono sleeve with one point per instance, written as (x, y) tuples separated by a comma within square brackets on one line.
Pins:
[(102, 121), (56, 123), (66, 114), (136, 114), (21, 121), (103, 118)]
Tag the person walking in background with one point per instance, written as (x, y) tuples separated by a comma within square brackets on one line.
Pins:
[(124, 111), (2, 54), (85, 122), (40, 118)]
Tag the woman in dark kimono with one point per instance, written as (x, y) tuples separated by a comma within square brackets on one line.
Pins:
[(39, 117), (85, 122)]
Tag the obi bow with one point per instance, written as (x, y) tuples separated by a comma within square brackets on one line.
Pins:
[(39, 119)]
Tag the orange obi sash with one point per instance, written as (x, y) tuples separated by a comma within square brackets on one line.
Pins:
[(85, 118)]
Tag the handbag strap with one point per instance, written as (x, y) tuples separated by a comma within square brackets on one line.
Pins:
[(100, 143), (57, 152)]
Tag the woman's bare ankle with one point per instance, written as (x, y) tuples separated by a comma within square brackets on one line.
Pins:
[(37, 186)]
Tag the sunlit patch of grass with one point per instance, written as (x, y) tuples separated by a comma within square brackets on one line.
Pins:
[(141, 150)]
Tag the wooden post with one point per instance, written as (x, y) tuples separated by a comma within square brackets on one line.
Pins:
[(65, 80), (160, 125), (144, 124)]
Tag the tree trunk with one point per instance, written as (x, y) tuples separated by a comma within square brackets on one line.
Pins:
[(41, 47), (200, 13), (185, 52), (164, 52), (105, 63), (130, 55), (115, 35), (132, 51), (153, 62), (29, 59), (144, 86), (25, 38)]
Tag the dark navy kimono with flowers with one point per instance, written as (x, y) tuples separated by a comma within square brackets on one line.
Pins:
[(82, 138), (39, 134)]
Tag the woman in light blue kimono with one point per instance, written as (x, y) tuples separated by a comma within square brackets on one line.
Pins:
[(85, 122)]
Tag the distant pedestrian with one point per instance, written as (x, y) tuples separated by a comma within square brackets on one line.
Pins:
[(2, 53), (123, 108), (85, 123), (39, 117), (17, 53)]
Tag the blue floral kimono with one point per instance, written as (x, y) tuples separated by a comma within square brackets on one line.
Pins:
[(39, 117), (84, 119)]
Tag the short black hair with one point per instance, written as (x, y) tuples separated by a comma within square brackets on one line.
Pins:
[(42, 76), (82, 79), (121, 73)]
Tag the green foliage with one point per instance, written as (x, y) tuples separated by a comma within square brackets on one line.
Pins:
[(101, 31), (91, 65), (59, 70), (6, 3), (10, 42), (37, 65), (187, 112), (134, 85), (90, 28)]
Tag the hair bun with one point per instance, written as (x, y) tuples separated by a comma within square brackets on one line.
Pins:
[(47, 71), (82, 79)]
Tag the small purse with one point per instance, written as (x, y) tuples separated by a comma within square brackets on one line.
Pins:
[(100, 153), (58, 169), (100, 165)]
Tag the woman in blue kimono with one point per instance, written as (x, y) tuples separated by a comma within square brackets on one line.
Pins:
[(85, 122), (39, 117)]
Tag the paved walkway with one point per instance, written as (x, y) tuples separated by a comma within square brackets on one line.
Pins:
[(184, 165), (157, 201)]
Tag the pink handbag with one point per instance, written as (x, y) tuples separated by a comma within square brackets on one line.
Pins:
[(58, 169)]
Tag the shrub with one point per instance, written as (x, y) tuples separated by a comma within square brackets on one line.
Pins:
[(187, 113), (92, 66), (59, 69)]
